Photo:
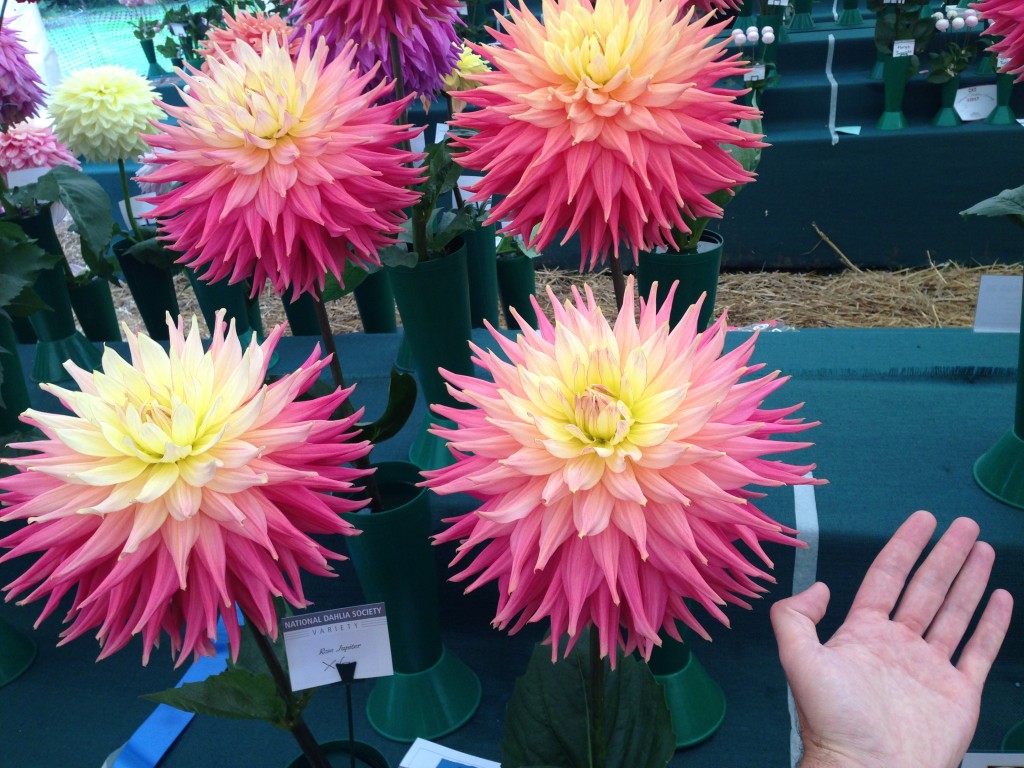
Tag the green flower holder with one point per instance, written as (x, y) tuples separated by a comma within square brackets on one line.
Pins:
[(895, 74), (343, 754), (220, 295), (152, 288), (695, 701), (947, 117), (376, 303), (433, 300), (17, 652), (696, 272), (153, 70), (1003, 113), (802, 19), (850, 15), (94, 308), (482, 272), (517, 282), (301, 314), (432, 692)]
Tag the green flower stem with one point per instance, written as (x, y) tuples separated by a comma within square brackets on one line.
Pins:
[(419, 223), (598, 758), (376, 503), (618, 280), (456, 192), (128, 201), (297, 726)]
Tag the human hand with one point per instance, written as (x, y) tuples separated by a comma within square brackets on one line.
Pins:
[(883, 691)]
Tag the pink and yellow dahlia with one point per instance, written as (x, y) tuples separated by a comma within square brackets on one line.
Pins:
[(31, 144), (250, 28), (180, 485), (604, 120), (1006, 21), (21, 91), (424, 30), (287, 168), (612, 463)]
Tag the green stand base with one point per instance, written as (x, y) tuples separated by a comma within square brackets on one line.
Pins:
[(850, 18), (695, 701), (340, 753), (1013, 741), (17, 652), (430, 451), (892, 121), (801, 21), (946, 118), (1000, 470), (446, 695), (50, 357), (1001, 116)]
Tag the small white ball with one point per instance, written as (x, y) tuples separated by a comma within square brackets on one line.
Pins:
[(971, 22), (767, 29), (768, 38), (942, 25), (751, 29), (753, 37), (958, 23)]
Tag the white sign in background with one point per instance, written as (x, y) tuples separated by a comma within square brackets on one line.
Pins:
[(315, 643)]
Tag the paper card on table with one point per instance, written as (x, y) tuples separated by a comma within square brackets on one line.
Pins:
[(756, 73), (440, 131), (975, 103), (427, 754), (993, 760), (852, 130), (901, 48), (315, 643)]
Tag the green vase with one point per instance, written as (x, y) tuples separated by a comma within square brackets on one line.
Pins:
[(895, 73), (1003, 113), (947, 117), (94, 308), (432, 692), (850, 15), (802, 18), (433, 301), (340, 754), (58, 338), (220, 295), (17, 652), (517, 282), (301, 314), (376, 303), (13, 388), (152, 288), (696, 273), (482, 273), (153, 70), (23, 330), (695, 701)]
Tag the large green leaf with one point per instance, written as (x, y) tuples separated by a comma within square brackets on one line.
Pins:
[(21, 260), (1009, 202), (547, 719), (401, 400), (353, 276), (153, 251), (234, 693), (89, 206)]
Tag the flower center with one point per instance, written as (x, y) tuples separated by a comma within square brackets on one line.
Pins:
[(602, 421)]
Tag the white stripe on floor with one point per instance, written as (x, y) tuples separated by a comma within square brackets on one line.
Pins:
[(805, 573)]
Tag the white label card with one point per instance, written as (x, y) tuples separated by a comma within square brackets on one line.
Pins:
[(993, 760), (975, 102), (427, 754), (778, 2), (1002, 62), (902, 48), (315, 643), (756, 73)]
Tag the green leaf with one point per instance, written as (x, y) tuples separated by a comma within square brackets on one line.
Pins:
[(21, 261), (450, 225), (547, 718), (352, 277), (234, 693), (1009, 203), (153, 251), (401, 400), (89, 206)]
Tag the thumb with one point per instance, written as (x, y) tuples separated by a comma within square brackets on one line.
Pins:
[(795, 620)]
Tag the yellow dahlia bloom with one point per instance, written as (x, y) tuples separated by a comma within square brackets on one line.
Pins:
[(99, 112), (463, 77)]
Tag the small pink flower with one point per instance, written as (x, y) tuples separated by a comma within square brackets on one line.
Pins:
[(250, 28), (612, 466), (21, 92), (31, 144)]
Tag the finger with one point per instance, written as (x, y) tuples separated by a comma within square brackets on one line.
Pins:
[(928, 589), (795, 620), (983, 646), (887, 575), (948, 627)]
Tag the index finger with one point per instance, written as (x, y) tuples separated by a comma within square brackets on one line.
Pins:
[(888, 574)]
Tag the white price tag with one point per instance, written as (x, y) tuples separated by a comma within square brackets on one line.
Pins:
[(901, 48), (756, 73), (778, 2), (976, 102), (892, 2), (315, 643), (1002, 62)]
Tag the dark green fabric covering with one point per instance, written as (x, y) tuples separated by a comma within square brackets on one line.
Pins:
[(904, 415)]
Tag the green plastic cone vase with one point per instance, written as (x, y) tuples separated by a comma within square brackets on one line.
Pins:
[(947, 117), (482, 272), (432, 692), (152, 288), (94, 308), (220, 295), (339, 754), (433, 301), (17, 652), (695, 701), (1013, 741), (517, 282), (13, 389), (1003, 113), (1000, 470), (850, 15), (301, 314), (802, 18), (376, 303), (696, 272), (895, 74), (58, 338), (153, 71)]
